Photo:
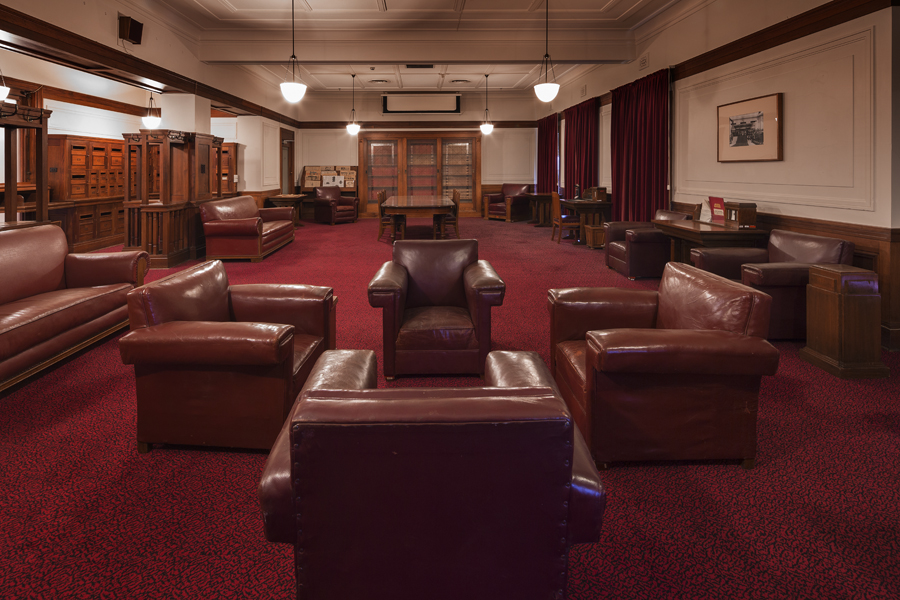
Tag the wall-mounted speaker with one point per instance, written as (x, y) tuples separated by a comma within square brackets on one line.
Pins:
[(130, 30)]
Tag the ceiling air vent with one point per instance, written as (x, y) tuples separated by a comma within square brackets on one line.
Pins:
[(419, 66), (447, 104)]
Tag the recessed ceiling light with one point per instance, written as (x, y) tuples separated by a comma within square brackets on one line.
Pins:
[(379, 81), (460, 81)]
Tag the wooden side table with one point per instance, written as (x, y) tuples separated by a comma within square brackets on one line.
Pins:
[(843, 310)]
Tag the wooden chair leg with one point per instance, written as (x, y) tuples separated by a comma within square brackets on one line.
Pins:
[(748, 463), (144, 447)]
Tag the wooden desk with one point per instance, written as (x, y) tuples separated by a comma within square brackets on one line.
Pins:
[(590, 212), (540, 206), (419, 206), (695, 234), (295, 200)]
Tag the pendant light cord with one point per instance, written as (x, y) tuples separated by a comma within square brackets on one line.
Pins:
[(293, 45)]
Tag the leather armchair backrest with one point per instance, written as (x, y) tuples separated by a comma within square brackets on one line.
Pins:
[(32, 261), (690, 298), (331, 192), (241, 207), (435, 269), (465, 489), (515, 189), (789, 246), (671, 215), (199, 293)]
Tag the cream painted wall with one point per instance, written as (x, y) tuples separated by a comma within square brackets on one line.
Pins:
[(325, 147), (259, 158)]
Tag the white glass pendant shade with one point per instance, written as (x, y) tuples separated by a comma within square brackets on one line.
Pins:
[(353, 128), (151, 122), (293, 91), (4, 93), (486, 128), (546, 92)]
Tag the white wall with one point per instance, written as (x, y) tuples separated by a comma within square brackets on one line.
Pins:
[(509, 156), (259, 157)]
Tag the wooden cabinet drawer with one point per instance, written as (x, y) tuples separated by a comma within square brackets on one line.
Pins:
[(79, 160)]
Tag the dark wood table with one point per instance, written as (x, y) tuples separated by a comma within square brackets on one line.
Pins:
[(590, 212), (295, 200), (694, 234), (419, 206), (540, 209)]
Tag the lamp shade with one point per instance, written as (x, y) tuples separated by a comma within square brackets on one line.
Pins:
[(293, 91), (151, 122), (546, 92), (4, 92), (352, 128), (486, 128)]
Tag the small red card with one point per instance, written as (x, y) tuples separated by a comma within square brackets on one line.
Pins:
[(717, 209)]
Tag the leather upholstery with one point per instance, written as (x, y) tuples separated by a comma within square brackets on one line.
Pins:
[(781, 270), (436, 299), (512, 203), (667, 375), (331, 207), (636, 249), (431, 486), (52, 302), (237, 228), (220, 365)]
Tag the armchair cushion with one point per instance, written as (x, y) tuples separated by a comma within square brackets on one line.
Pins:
[(509, 190), (430, 327), (789, 246), (250, 226), (726, 262)]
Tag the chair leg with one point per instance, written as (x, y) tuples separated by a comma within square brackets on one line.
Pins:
[(748, 464), (144, 447)]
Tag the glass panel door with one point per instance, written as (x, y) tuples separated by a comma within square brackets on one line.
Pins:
[(457, 168), (382, 162), (421, 174)]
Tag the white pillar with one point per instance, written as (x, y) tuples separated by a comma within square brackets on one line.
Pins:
[(185, 112)]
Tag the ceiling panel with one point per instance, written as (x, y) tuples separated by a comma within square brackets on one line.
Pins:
[(427, 81)]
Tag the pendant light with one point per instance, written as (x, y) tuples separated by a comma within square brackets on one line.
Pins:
[(547, 91), (487, 126), (293, 91), (353, 126), (4, 91), (151, 121)]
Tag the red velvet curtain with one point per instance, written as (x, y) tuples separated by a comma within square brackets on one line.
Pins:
[(548, 159), (640, 147), (582, 139)]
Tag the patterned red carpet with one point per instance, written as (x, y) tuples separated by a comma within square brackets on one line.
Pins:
[(82, 515)]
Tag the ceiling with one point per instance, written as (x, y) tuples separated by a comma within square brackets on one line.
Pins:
[(383, 41)]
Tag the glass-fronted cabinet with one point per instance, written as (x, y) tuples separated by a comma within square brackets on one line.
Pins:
[(382, 162)]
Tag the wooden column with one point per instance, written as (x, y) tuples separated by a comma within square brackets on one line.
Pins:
[(11, 173)]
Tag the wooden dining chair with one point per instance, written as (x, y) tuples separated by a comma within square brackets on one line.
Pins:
[(560, 220), (396, 223), (452, 220)]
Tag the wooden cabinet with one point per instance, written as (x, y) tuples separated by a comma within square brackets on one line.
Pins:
[(228, 154), (420, 164)]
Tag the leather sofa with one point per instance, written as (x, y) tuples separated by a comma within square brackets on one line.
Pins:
[(473, 493), (512, 203), (53, 303), (238, 228), (781, 270), (220, 365), (436, 299), (667, 375), (331, 207), (636, 248)]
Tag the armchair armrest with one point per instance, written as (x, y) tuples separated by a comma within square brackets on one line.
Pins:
[(88, 270), (493, 198), (575, 311), (279, 213), (348, 200), (484, 289), (208, 343), (251, 226), (516, 369), (388, 286), (615, 230), (691, 351), (646, 235), (587, 498), (780, 274), (325, 202), (519, 200), (309, 308), (727, 262)]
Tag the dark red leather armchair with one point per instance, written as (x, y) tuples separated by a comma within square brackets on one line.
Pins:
[(781, 270), (436, 299), (513, 203), (220, 365), (331, 207), (238, 228), (396, 494), (636, 248), (667, 375)]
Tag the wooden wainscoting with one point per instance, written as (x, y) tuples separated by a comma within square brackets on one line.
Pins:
[(260, 197)]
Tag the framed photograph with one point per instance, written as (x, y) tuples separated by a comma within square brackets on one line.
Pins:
[(750, 130)]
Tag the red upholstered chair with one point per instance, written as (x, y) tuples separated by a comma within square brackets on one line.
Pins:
[(636, 248), (512, 203), (436, 299), (667, 375), (395, 494), (238, 228), (220, 365), (331, 207), (781, 270)]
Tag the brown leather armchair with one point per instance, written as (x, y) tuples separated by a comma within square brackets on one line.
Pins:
[(220, 365), (436, 298), (667, 375), (781, 270), (238, 228), (473, 493), (512, 203), (636, 248), (331, 207)]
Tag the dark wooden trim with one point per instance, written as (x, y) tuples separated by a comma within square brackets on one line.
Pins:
[(53, 93), (812, 21), (605, 99), (828, 228), (371, 126), (215, 113)]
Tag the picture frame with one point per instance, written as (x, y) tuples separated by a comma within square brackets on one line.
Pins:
[(751, 130)]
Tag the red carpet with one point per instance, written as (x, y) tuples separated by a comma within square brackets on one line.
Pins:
[(84, 516)]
